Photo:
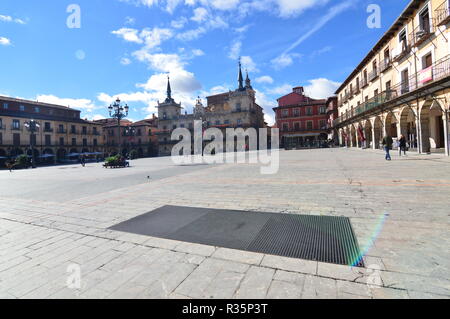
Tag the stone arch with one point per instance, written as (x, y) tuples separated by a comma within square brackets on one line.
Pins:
[(408, 126), (353, 136), (391, 125), (432, 126), (367, 128), (378, 129)]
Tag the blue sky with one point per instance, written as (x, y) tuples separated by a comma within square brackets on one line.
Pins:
[(126, 47)]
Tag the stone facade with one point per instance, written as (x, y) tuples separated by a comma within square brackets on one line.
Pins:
[(61, 131), (227, 110)]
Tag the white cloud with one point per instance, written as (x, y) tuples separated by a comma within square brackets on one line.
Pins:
[(198, 52), (200, 15), (264, 79), (5, 41), (293, 8), (321, 88), (130, 20), (6, 18), (224, 4), (332, 12), (180, 23), (269, 118), (192, 34), (249, 64), (284, 60), (235, 50), (128, 34), (181, 80), (80, 104), (125, 61), (267, 104), (281, 90)]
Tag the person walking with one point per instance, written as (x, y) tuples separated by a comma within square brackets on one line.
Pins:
[(402, 145), (387, 144), (82, 161)]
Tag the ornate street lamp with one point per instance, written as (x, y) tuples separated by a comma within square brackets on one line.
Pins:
[(32, 126), (118, 112)]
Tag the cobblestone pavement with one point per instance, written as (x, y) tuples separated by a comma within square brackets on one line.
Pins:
[(53, 219)]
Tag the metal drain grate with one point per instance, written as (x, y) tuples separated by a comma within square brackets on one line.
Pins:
[(321, 238)]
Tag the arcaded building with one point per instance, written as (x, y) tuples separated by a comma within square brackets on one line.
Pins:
[(61, 132), (402, 86), (231, 109)]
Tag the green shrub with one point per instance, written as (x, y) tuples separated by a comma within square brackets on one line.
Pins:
[(134, 154)]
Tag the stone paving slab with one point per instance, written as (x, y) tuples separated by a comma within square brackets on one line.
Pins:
[(399, 212)]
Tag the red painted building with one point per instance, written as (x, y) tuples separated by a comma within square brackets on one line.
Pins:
[(302, 120)]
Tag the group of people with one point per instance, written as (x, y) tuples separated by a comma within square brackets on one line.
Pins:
[(387, 145)]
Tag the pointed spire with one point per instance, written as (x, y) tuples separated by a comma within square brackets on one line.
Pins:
[(240, 78), (248, 83), (169, 89)]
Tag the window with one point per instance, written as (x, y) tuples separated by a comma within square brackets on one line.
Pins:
[(323, 110), (16, 125), (296, 112), (139, 132), (285, 113), (73, 129), (47, 127), (424, 20), (322, 124), (309, 111), (174, 126), (297, 126), (309, 125), (61, 141), (5, 106), (61, 128), (182, 125), (95, 142), (375, 93), (1, 125), (84, 130), (239, 122), (402, 39), (48, 140), (427, 61), (50, 112), (238, 107), (36, 110), (85, 142), (285, 127), (94, 130), (74, 142), (388, 85), (1, 138), (22, 108)]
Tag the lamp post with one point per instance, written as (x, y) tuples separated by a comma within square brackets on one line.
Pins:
[(32, 126), (130, 132), (118, 112)]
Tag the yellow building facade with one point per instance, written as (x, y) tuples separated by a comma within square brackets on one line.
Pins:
[(61, 135), (402, 86)]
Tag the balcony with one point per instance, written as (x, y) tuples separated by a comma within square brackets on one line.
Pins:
[(442, 14), (364, 83), (438, 71), (420, 34), (373, 75), (16, 128), (48, 130), (61, 131), (385, 64), (401, 52)]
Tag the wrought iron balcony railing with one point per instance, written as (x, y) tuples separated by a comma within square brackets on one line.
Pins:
[(421, 33), (442, 14)]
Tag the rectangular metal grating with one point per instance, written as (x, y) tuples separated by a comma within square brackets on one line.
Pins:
[(321, 238)]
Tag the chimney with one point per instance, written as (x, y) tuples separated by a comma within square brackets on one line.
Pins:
[(298, 90)]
